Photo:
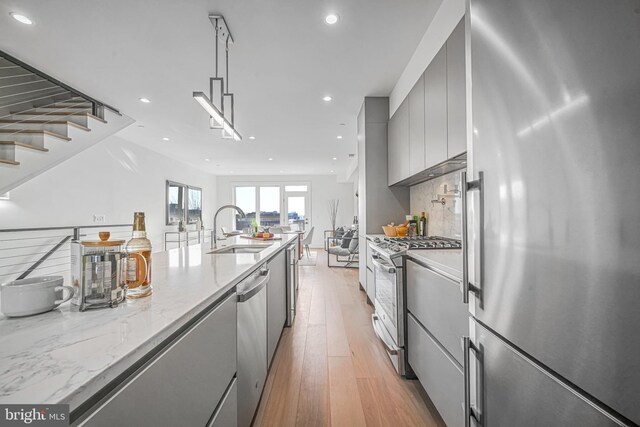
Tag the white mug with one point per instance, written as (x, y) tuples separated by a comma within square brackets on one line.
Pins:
[(33, 296)]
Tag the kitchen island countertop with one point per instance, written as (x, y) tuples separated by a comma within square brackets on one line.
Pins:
[(65, 356)]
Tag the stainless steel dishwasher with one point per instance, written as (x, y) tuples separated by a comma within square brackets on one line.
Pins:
[(252, 343)]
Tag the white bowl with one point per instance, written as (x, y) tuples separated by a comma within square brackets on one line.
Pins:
[(34, 295)]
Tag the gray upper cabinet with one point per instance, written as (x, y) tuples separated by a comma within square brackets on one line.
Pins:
[(398, 148), (435, 109), (429, 127), (416, 128), (456, 97)]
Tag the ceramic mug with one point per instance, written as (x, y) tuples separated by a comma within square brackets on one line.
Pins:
[(33, 296)]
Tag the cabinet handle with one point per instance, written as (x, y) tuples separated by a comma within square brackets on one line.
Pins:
[(469, 411), (476, 185)]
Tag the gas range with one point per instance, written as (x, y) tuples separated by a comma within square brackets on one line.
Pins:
[(394, 247)]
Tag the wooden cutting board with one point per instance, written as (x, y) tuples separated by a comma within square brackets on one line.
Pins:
[(264, 239)]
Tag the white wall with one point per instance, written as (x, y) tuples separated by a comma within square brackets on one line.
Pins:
[(444, 22), (114, 178), (323, 189)]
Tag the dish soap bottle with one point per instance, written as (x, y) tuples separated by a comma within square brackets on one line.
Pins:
[(138, 271)]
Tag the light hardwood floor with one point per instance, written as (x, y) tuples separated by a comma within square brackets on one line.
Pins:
[(330, 369)]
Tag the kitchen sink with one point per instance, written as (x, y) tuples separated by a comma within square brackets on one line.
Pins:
[(240, 249)]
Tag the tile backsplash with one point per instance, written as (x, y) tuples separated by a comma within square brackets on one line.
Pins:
[(443, 220)]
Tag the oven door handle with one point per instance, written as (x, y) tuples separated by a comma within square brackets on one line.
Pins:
[(375, 321), (388, 269)]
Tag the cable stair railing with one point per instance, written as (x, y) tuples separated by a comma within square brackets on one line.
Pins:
[(39, 113)]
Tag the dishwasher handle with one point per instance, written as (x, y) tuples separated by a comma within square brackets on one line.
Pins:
[(257, 287)]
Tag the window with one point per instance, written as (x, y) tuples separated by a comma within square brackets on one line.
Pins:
[(289, 188), (269, 206), (272, 204), (245, 200), (183, 203)]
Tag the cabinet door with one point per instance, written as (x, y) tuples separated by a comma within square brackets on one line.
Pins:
[(227, 413), (456, 96), (435, 109), (440, 376), (276, 302), (183, 385), (393, 171), (436, 302), (416, 128), (398, 144)]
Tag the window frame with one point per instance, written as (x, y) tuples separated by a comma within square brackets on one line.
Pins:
[(185, 211), (283, 196)]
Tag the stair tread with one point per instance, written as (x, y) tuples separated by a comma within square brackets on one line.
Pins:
[(24, 144), (53, 107), (9, 162), (47, 122), (44, 132), (51, 113)]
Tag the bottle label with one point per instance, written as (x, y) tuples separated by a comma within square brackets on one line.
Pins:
[(132, 269)]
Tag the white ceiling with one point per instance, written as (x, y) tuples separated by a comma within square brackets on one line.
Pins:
[(284, 60)]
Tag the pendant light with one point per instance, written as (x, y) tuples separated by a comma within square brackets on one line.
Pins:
[(218, 119)]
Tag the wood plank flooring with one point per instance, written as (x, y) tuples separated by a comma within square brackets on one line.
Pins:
[(331, 370)]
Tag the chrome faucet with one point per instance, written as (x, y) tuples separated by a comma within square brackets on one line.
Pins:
[(214, 232)]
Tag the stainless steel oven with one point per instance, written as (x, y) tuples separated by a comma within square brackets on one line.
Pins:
[(389, 317)]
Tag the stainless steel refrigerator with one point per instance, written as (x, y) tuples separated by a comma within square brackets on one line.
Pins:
[(553, 218)]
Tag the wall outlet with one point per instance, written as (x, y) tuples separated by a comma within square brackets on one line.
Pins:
[(99, 219)]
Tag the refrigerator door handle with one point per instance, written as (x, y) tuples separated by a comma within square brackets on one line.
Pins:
[(469, 186), (469, 410)]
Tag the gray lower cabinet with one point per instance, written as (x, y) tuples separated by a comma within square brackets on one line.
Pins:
[(226, 414), (456, 96), (515, 391), (183, 385), (436, 301), (416, 128), (435, 109), (440, 375), (276, 302)]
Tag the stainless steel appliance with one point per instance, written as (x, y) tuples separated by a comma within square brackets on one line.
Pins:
[(292, 282), (389, 319), (553, 214), (252, 344)]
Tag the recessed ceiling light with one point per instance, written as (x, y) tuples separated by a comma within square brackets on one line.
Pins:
[(331, 171), (207, 160), (281, 171), (331, 19), (165, 139), (145, 100), (335, 158), (327, 98), (252, 137), (270, 158), (339, 136), (21, 18)]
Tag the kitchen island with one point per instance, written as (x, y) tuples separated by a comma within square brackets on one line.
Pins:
[(67, 356)]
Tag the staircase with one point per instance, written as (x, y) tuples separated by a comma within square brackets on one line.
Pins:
[(44, 122)]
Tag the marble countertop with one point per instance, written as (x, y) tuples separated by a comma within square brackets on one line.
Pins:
[(447, 261), (65, 356)]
